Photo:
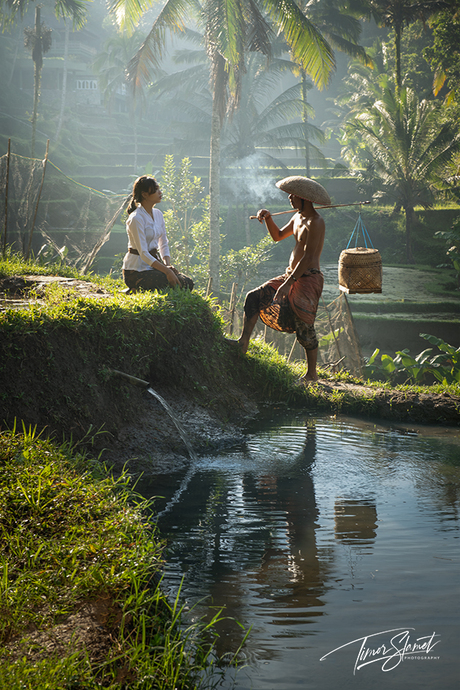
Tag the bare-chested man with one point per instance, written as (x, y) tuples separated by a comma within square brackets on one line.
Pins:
[(289, 302)]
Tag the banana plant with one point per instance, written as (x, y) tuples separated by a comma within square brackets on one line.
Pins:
[(446, 366)]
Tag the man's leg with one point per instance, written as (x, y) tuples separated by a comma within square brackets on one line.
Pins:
[(306, 335), (255, 300), (312, 356), (248, 326)]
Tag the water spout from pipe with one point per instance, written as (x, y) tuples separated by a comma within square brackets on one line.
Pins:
[(140, 383), (177, 424)]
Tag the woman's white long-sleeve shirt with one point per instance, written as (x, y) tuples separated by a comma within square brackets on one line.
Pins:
[(145, 233)]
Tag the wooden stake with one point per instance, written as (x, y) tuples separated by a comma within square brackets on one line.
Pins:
[(45, 160), (232, 307)]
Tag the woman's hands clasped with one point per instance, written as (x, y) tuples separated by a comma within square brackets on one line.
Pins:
[(172, 276)]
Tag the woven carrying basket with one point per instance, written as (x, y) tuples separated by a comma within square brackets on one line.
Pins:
[(360, 270)]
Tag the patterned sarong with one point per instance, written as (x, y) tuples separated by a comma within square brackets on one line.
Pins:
[(301, 304)]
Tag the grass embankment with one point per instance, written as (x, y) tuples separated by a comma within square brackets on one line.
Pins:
[(81, 604), (56, 356)]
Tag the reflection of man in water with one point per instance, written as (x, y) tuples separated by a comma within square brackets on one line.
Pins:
[(278, 555), (275, 560), (290, 559)]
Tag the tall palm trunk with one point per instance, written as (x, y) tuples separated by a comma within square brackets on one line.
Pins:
[(410, 217), (214, 192), (64, 80), (37, 57)]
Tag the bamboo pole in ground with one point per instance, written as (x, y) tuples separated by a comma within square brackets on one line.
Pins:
[(5, 224), (209, 287), (232, 307), (292, 349), (45, 160)]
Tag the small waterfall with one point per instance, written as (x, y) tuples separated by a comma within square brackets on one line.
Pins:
[(177, 424), (145, 384)]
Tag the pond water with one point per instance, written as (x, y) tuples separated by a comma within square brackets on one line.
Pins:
[(336, 541)]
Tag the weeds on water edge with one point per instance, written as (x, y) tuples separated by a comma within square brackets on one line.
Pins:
[(80, 580)]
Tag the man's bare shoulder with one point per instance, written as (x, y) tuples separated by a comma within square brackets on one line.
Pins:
[(308, 224)]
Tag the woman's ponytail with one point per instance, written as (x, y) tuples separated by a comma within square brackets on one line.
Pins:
[(145, 183)]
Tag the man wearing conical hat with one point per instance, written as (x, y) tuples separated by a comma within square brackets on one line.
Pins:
[(289, 302)]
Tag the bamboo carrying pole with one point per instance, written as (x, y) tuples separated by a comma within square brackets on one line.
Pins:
[(280, 213)]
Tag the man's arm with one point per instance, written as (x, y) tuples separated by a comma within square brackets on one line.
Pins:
[(276, 233)]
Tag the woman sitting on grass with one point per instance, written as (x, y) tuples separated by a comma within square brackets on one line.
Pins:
[(147, 263)]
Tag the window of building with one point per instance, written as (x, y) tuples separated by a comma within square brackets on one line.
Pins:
[(86, 84)]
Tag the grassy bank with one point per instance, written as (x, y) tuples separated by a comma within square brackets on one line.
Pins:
[(80, 570), (58, 349)]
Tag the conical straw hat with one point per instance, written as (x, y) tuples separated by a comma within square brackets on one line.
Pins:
[(305, 188)]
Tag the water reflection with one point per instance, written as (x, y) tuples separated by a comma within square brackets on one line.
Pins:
[(355, 521), (315, 534)]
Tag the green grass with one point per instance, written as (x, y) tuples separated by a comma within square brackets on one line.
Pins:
[(72, 536)]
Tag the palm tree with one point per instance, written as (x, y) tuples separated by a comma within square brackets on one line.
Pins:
[(73, 9), (262, 123), (339, 23), (230, 28), (395, 14), (409, 147), (259, 122), (38, 39)]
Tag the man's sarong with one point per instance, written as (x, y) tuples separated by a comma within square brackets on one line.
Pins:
[(297, 313)]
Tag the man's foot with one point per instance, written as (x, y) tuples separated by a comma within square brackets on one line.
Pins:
[(236, 344), (307, 381)]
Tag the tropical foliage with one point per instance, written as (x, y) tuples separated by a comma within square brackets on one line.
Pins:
[(443, 366), (397, 14), (444, 56), (406, 145), (452, 238), (187, 226)]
